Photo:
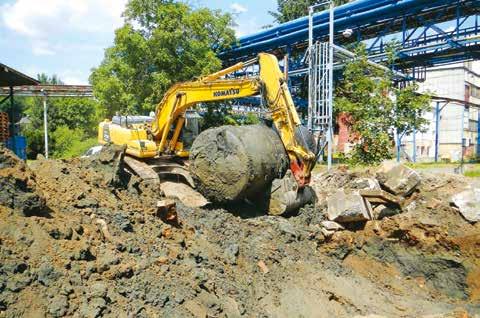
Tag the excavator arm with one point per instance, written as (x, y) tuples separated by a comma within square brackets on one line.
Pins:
[(183, 96), (285, 117)]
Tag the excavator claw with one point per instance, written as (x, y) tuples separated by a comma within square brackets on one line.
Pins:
[(286, 196), (173, 179)]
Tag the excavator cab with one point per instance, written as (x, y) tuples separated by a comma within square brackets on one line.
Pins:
[(191, 128)]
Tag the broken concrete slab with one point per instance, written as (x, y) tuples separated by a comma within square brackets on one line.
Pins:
[(331, 226), (381, 211), (381, 197), (344, 207), (365, 184), (326, 233), (468, 203), (184, 193), (398, 178)]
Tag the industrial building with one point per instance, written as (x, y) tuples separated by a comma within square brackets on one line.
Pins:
[(453, 118)]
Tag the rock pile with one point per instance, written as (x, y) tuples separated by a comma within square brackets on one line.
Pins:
[(373, 198)]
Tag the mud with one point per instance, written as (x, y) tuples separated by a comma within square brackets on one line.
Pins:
[(231, 163), (423, 262)]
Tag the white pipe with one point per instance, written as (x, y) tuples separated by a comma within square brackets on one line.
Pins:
[(45, 124)]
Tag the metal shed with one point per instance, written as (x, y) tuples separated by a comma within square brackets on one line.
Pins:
[(10, 78)]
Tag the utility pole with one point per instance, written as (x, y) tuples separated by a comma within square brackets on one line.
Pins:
[(45, 122)]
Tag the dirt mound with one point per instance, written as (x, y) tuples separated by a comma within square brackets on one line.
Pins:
[(18, 189), (102, 250)]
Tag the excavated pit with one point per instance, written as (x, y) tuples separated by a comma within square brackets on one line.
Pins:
[(231, 163)]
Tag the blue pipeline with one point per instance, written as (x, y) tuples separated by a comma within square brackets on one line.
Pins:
[(318, 18), (354, 14)]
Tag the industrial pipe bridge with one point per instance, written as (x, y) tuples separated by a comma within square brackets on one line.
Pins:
[(428, 32)]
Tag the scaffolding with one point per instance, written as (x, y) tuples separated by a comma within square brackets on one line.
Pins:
[(320, 84), (319, 90)]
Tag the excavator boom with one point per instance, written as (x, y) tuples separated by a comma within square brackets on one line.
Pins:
[(183, 96)]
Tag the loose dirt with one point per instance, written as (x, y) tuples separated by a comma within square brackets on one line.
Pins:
[(86, 240)]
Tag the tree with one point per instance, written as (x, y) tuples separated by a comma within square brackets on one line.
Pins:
[(161, 43), (70, 142), (52, 80), (288, 10), (377, 108)]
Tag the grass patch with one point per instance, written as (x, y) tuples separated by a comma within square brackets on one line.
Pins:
[(426, 165), (473, 173)]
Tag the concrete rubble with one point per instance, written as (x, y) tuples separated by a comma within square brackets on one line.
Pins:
[(468, 203), (369, 198), (343, 207), (331, 226), (398, 178)]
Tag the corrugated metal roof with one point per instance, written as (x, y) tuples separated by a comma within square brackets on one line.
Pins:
[(12, 77)]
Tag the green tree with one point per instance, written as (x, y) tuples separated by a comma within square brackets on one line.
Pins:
[(161, 43), (52, 80), (70, 142), (377, 108), (288, 10)]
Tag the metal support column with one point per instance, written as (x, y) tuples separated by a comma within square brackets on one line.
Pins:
[(12, 113), (414, 154), (330, 88), (463, 140), (45, 123), (310, 81), (478, 132), (399, 146), (437, 126)]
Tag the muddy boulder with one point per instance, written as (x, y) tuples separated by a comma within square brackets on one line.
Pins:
[(231, 163)]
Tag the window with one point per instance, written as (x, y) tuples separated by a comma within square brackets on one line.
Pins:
[(474, 91)]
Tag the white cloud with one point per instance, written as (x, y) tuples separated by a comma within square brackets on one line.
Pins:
[(48, 22), (50, 17), (237, 8)]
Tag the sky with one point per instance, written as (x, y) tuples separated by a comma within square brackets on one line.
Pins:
[(68, 37)]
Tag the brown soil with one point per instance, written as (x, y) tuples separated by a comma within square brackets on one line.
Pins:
[(57, 260)]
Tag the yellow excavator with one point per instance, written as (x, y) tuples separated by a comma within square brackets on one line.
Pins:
[(155, 148)]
